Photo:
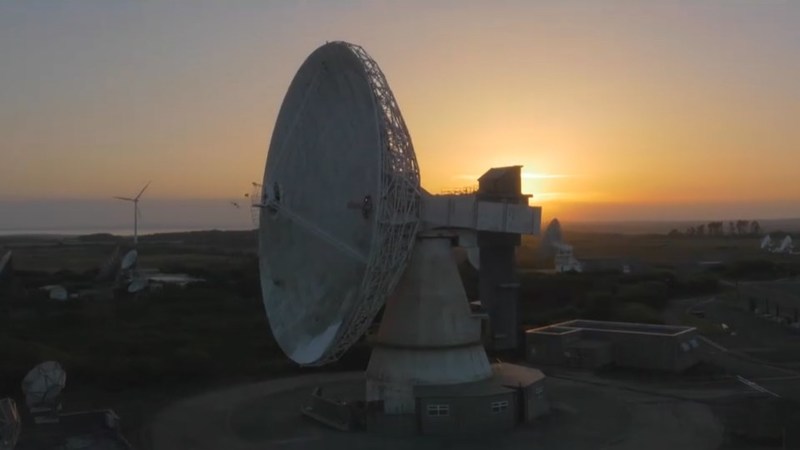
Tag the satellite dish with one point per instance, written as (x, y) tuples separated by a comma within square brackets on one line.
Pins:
[(766, 243), (59, 293), (43, 384), (129, 260), (552, 238), (137, 285), (344, 223), (325, 274), (10, 424), (785, 245), (110, 268), (5, 263)]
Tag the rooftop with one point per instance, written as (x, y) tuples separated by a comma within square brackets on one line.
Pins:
[(505, 377), (614, 327)]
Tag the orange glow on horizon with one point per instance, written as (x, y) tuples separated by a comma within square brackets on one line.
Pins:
[(611, 111)]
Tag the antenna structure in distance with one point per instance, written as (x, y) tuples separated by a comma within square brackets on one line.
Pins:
[(58, 293), (42, 388), (129, 260)]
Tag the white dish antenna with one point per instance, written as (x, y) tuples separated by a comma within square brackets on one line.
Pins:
[(333, 247), (58, 293), (341, 206), (10, 424), (110, 268), (766, 243), (138, 285), (553, 234), (129, 260), (43, 385), (785, 246)]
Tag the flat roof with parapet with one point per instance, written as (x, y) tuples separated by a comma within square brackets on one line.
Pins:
[(505, 378), (572, 326)]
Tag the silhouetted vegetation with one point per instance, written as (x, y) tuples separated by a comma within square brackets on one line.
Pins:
[(218, 330), (739, 228), (609, 295), (198, 332), (758, 269)]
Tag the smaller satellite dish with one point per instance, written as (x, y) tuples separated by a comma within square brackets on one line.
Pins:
[(59, 293), (43, 384), (138, 285), (786, 245), (10, 424), (766, 243), (129, 260)]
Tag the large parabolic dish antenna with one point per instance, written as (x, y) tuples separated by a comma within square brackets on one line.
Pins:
[(340, 204)]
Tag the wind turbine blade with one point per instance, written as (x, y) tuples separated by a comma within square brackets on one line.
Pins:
[(125, 198), (143, 189)]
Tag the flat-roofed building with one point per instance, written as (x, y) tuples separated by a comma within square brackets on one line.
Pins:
[(512, 395), (593, 344)]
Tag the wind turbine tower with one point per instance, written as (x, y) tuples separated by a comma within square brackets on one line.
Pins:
[(135, 201)]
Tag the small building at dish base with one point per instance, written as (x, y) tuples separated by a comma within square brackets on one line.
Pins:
[(513, 395), (592, 344)]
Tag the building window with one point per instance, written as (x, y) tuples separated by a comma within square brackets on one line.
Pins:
[(498, 407), (438, 410)]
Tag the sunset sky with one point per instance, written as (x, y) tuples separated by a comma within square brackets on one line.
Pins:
[(617, 109)]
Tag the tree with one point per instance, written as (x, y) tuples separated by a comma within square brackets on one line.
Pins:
[(674, 233), (691, 231), (741, 227), (701, 229), (715, 228), (755, 227), (731, 228)]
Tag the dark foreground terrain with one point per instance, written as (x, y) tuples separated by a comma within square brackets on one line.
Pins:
[(139, 353)]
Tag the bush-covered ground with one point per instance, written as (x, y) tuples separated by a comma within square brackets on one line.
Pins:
[(218, 330), (546, 298)]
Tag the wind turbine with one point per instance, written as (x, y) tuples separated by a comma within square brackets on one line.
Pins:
[(135, 201)]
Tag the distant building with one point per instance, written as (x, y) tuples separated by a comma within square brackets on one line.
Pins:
[(592, 344), (565, 261)]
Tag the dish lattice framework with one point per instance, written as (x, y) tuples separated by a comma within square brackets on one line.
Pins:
[(397, 210)]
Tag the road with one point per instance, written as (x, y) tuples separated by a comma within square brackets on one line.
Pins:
[(757, 350)]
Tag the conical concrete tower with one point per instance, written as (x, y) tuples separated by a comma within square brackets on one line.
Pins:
[(428, 335)]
